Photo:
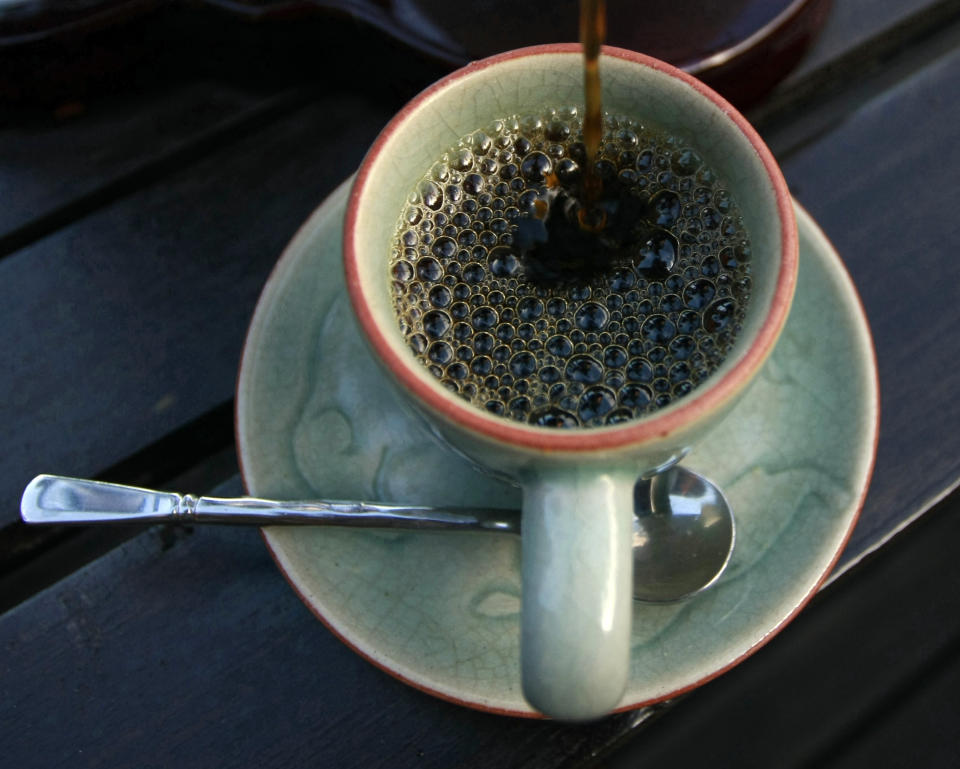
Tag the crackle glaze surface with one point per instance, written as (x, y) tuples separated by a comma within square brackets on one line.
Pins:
[(315, 418)]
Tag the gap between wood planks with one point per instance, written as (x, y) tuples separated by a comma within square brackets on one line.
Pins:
[(813, 105), (193, 458), (186, 154)]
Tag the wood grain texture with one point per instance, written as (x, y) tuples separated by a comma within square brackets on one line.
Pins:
[(153, 96), (51, 162), (877, 186), (138, 265), (130, 322), (861, 679), (163, 657), (855, 23)]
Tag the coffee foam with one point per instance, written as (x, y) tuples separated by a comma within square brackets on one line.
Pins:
[(616, 345)]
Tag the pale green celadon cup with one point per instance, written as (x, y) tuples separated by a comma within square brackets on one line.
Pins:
[(577, 484)]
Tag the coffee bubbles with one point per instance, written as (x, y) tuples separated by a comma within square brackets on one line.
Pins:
[(532, 308)]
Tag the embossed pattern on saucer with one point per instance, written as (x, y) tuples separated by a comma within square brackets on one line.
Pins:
[(440, 610)]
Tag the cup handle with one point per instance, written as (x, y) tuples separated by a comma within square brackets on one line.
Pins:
[(577, 569)]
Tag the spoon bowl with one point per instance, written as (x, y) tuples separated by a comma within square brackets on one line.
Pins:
[(683, 535)]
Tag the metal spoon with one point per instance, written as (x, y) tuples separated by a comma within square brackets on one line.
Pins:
[(683, 529)]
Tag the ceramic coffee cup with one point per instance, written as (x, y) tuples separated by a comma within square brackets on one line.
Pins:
[(577, 484)]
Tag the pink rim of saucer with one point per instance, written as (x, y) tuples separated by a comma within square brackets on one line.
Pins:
[(547, 439), (385, 666)]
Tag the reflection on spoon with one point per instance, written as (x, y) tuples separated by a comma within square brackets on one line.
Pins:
[(683, 534), (683, 527)]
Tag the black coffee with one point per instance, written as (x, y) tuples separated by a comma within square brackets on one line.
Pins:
[(532, 306)]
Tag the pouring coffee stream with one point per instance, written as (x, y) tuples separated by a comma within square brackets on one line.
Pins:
[(683, 530), (593, 29)]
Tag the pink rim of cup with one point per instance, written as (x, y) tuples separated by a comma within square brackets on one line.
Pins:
[(656, 426)]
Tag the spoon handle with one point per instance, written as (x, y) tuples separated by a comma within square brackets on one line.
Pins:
[(58, 500)]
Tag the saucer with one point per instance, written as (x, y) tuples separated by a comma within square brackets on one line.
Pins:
[(440, 610)]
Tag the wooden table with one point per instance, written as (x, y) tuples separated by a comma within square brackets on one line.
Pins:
[(137, 227)]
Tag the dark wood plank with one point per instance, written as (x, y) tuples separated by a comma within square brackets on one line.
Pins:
[(220, 664), (49, 163), (862, 678), (130, 323), (877, 183), (920, 728), (855, 23), (194, 77), (34, 557), (130, 298)]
